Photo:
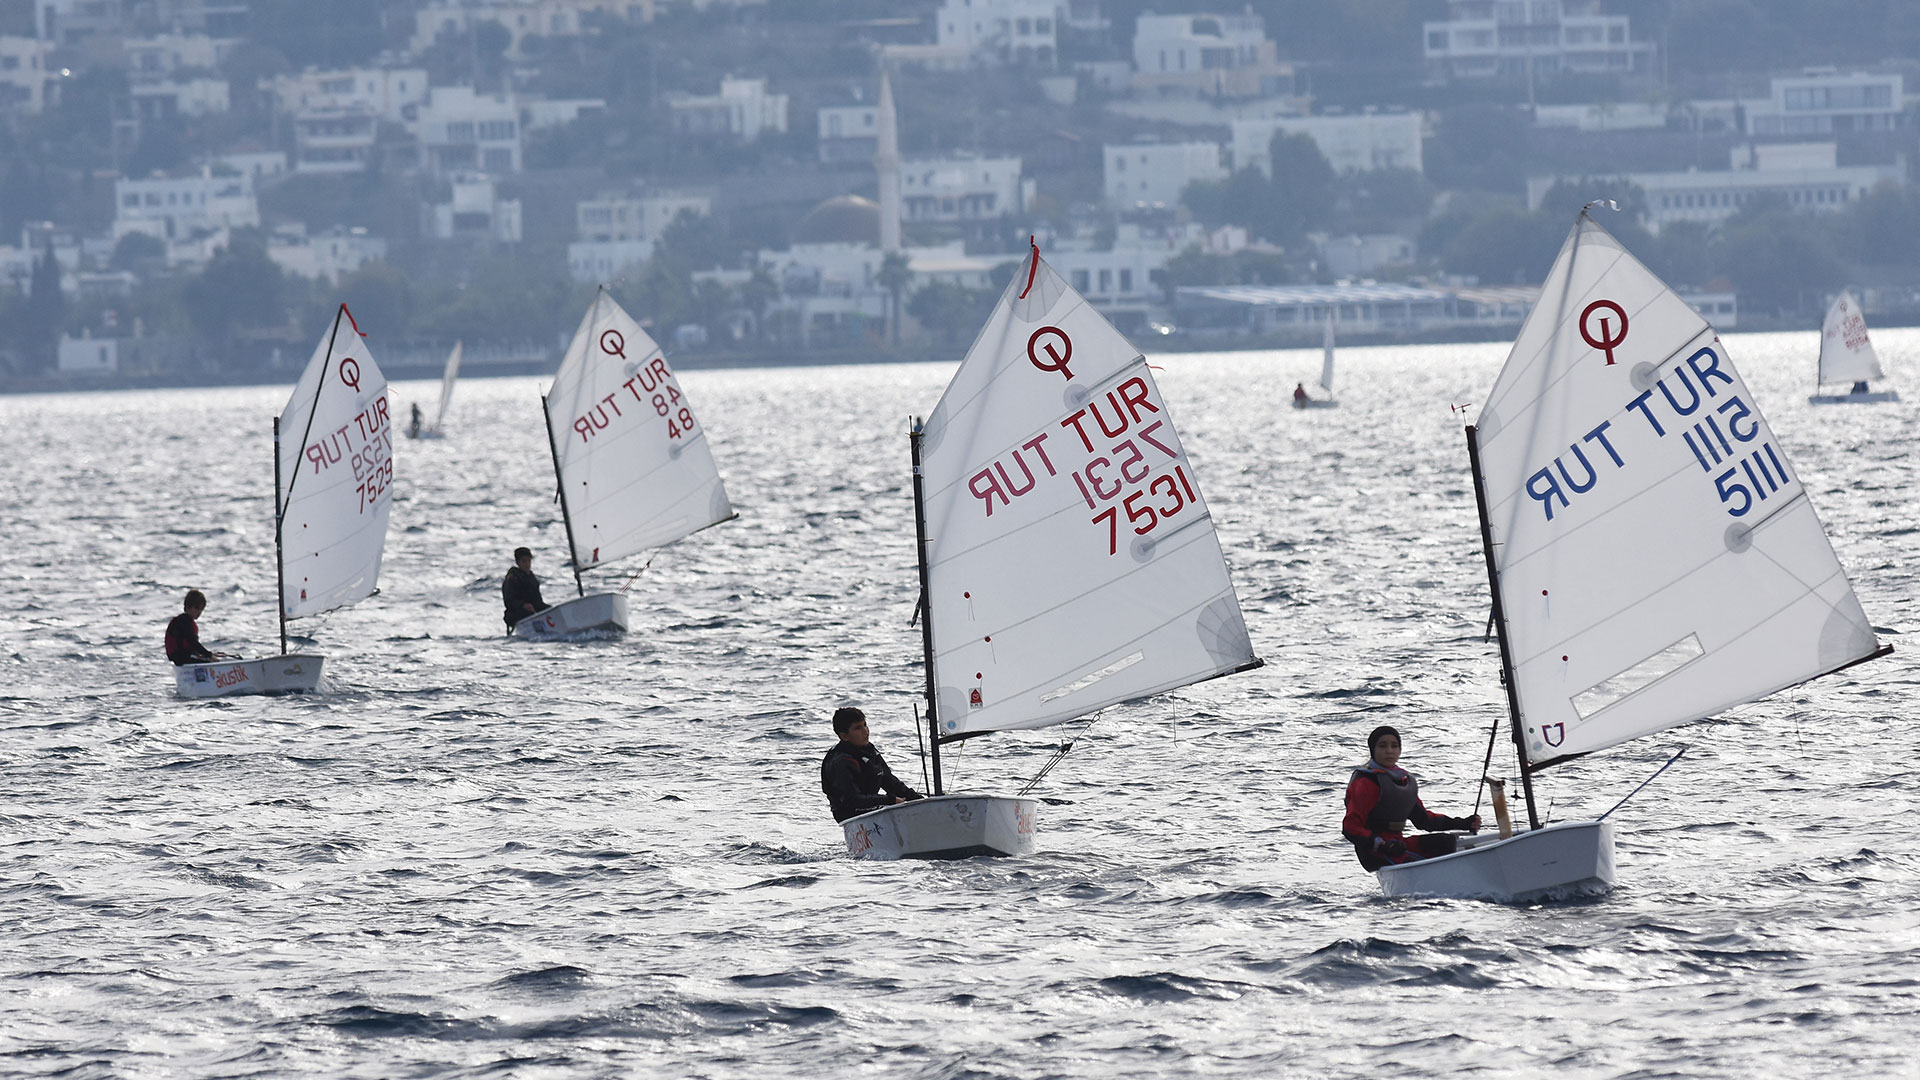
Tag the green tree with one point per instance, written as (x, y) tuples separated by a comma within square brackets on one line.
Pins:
[(1304, 188), (139, 252), (1780, 263), (46, 312), (381, 299), (696, 241), (951, 312), (240, 287)]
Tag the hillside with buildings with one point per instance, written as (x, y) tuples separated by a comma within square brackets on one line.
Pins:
[(188, 187)]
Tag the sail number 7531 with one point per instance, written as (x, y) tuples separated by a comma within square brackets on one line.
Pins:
[(1139, 505)]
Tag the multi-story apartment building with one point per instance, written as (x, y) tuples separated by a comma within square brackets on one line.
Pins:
[(1154, 174), (522, 19), (461, 130), (1518, 38), (473, 210), (1020, 32), (1824, 101), (65, 22), (742, 111), (961, 189), (848, 133), (178, 207), (24, 74), (1358, 143), (1215, 55)]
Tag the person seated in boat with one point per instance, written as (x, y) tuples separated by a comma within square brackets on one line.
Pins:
[(183, 633), (1382, 798), (413, 429), (1299, 395), (853, 775), (520, 589)]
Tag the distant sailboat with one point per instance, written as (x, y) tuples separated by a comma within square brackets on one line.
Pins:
[(1067, 560), (438, 428), (1847, 356), (333, 488), (1652, 558), (633, 465), (1301, 399)]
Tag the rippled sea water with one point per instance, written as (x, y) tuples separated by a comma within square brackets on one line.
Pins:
[(480, 857)]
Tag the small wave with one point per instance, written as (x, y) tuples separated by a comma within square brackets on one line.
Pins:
[(1166, 986), (559, 977)]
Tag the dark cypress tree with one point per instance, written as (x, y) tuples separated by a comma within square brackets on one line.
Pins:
[(46, 313)]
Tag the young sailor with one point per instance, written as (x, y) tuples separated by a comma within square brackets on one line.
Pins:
[(1382, 798), (520, 590), (183, 633), (854, 775)]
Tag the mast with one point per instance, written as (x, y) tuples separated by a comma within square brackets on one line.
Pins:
[(1500, 619), (280, 504), (553, 448), (279, 555), (926, 613)]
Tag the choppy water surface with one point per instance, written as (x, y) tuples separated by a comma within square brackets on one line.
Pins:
[(475, 856)]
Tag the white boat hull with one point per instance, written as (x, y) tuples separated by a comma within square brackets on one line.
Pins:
[(1315, 403), (594, 613), (944, 827), (1558, 860), (1854, 399), (292, 673)]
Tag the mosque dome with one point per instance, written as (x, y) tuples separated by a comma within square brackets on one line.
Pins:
[(843, 219)]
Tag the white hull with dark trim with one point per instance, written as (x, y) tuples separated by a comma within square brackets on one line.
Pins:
[(1552, 862), (288, 674), (1854, 399), (944, 827), (592, 614)]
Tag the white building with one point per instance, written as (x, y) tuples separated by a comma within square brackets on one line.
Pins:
[(742, 110), (591, 261), (537, 113), (1521, 38), (848, 132), (1351, 144), (1215, 55), (1827, 102), (390, 94), (167, 55), (627, 217), (961, 189), (474, 210), (326, 256), (260, 165), (175, 208), (221, 18), (89, 355), (65, 22), (1154, 174), (521, 19), (1603, 116), (334, 140), (461, 130), (1354, 255), (1022, 32), (1805, 175), (23, 74), (190, 97)]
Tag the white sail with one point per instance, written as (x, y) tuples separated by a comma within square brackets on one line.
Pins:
[(1072, 563), (1326, 356), (336, 476), (633, 461), (1846, 354), (1658, 558), (446, 384)]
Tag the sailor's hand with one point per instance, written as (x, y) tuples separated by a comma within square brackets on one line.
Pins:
[(1393, 849), (1473, 823)]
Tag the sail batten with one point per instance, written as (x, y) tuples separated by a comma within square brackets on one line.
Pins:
[(1071, 562), (633, 458), (1657, 557), (335, 477)]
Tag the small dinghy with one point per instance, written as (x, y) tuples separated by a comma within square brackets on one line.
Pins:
[(438, 429), (1067, 561), (333, 489), (633, 465), (1303, 401), (1653, 559), (1847, 356)]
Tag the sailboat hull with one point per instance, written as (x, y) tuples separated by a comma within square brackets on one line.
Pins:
[(944, 827), (594, 613), (1567, 859), (1853, 399), (289, 674), (1315, 403)]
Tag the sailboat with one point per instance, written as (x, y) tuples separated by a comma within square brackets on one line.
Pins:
[(633, 465), (1652, 556), (1847, 356), (1301, 400), (333, 488), (1067, 559), (438, 428)]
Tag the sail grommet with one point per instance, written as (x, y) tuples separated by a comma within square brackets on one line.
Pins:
[(1644, 375), (1739, 537), (1142, 549)]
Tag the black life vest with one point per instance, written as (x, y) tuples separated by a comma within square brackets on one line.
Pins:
[(1397, 800)]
